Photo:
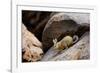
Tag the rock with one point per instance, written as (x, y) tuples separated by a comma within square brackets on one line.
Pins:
[(35, 21), (79, 51), (62, 24), (31, 46)]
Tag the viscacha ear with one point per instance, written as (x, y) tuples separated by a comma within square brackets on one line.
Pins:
[(54, 41)]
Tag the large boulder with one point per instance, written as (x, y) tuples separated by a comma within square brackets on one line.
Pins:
[(62, 24), (31, 46)]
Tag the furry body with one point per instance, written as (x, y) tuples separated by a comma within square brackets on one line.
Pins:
[(66, 42)]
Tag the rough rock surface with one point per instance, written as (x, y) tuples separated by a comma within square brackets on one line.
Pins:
[(80, 50), (31, 46)]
